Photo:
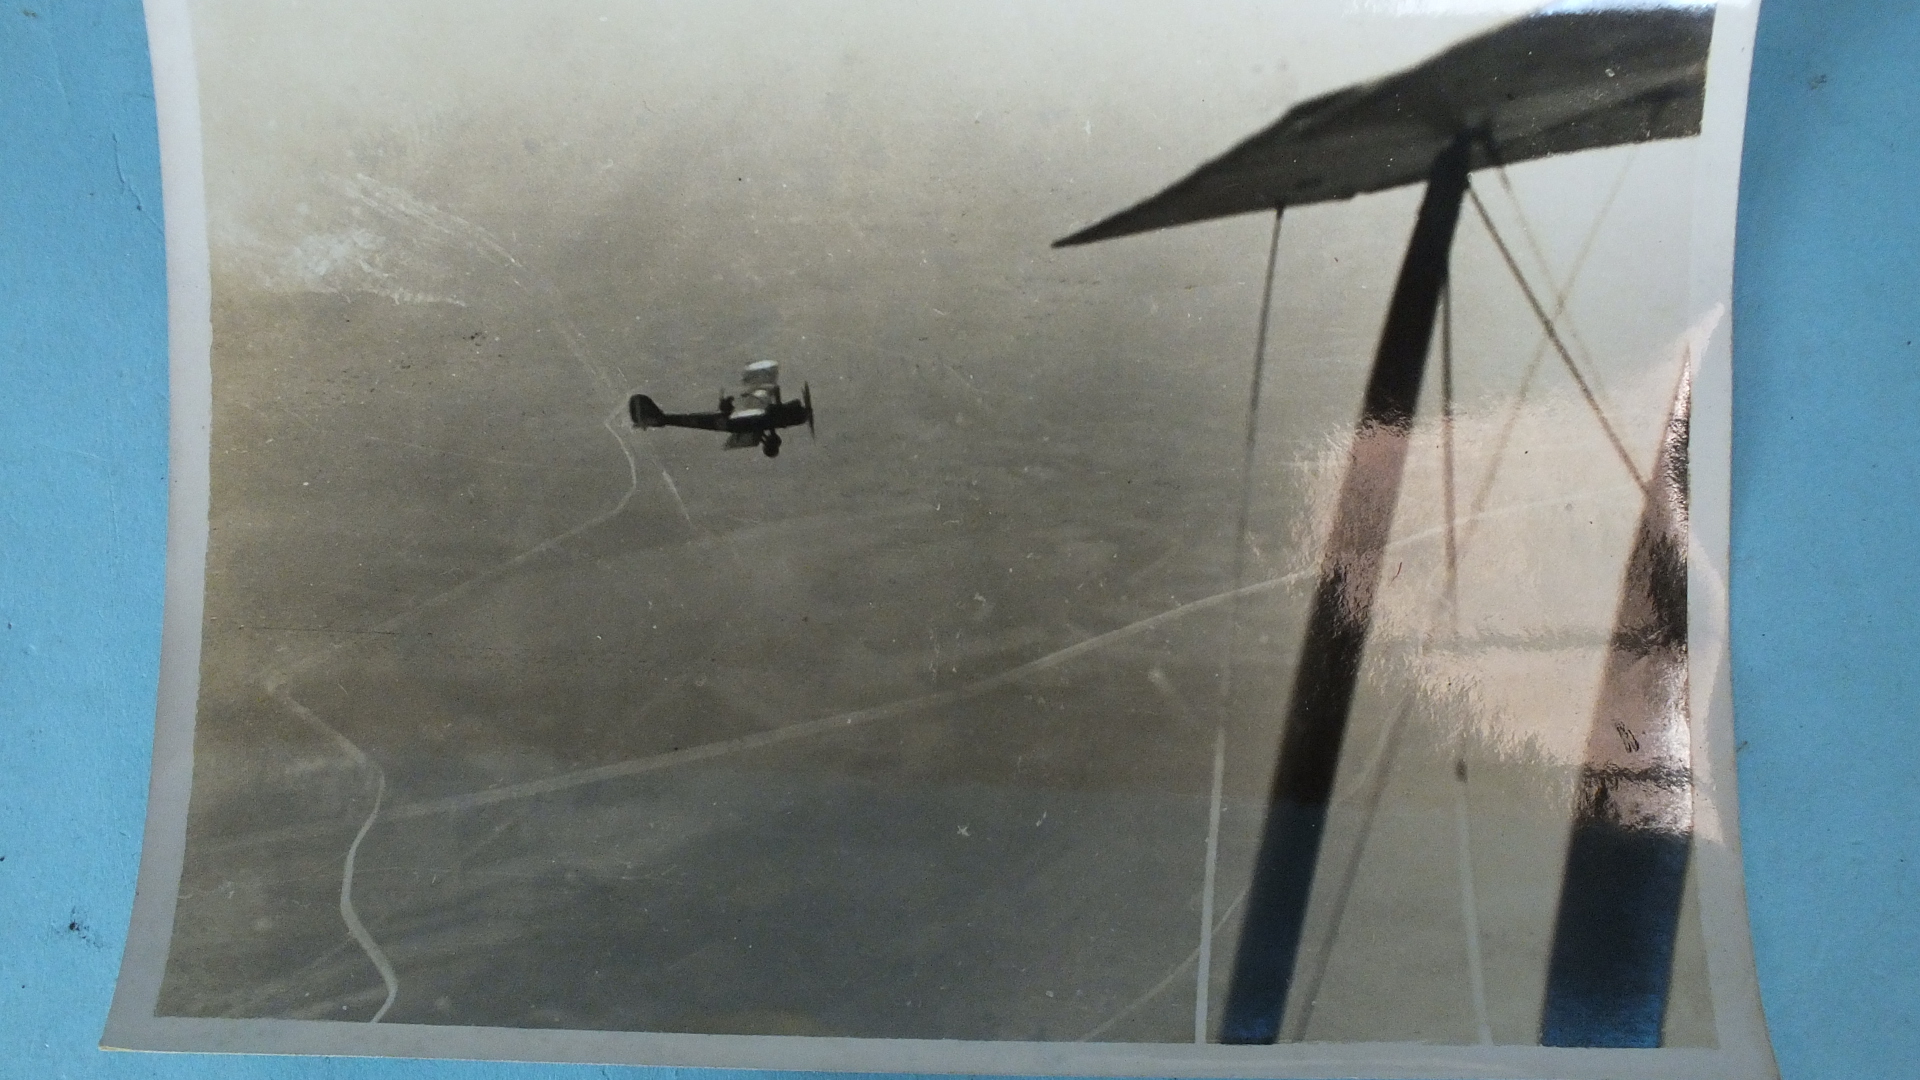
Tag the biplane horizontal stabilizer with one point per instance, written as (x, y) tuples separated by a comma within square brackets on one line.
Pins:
[(645, 413)]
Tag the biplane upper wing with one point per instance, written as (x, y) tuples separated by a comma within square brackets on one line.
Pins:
[(1575, 76), (761, 373)]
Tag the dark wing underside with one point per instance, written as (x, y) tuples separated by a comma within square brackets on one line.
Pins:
[(1546, 84)]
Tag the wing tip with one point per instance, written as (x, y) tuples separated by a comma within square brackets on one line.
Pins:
[(1116, 226), (1099, 230)]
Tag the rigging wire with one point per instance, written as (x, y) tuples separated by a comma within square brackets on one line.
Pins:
[(1380, 767), (1563, 295), (1553, 335), (1246, 456), (1539, 252), (1476, 975), (1534, 247), (1204, 954), (1378, 771), (1452, 596)]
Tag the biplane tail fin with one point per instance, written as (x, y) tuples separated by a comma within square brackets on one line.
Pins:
[(644, 412)]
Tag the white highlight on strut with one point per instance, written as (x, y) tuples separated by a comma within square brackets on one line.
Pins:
[(1204, 974), (1155, 990), (1470, 912)]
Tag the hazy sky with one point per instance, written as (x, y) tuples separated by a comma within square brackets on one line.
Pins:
[(1061, 111), (767, 150)]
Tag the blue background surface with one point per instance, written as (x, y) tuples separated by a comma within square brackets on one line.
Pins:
[(1826, 613)]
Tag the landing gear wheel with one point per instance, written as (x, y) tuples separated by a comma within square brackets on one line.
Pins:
[(770, 445)]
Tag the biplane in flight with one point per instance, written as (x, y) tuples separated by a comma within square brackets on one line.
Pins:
[(752, 417)]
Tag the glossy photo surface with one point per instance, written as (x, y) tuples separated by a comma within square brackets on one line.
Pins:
[(1093, 538)]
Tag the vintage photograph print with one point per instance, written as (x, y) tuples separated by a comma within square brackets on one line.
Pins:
[(997, 537)]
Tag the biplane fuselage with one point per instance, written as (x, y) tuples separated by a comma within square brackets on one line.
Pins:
[(751, 417)]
